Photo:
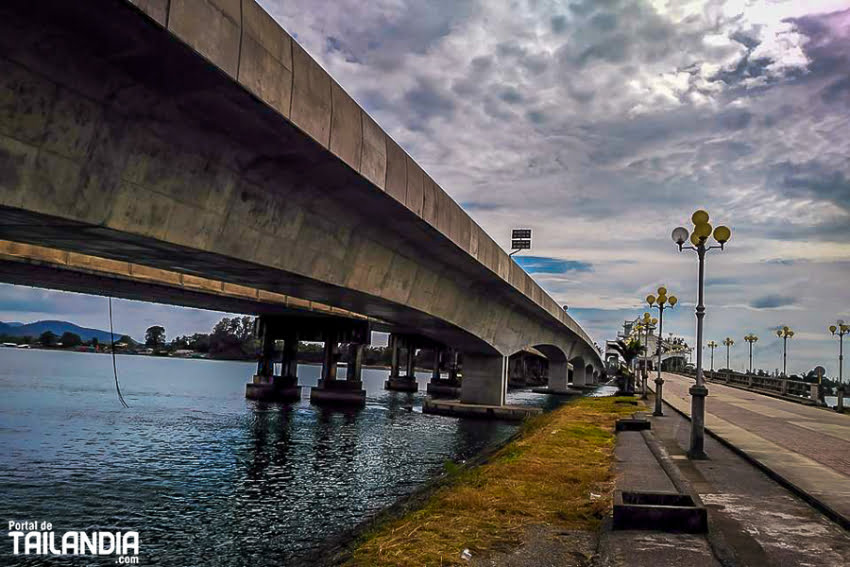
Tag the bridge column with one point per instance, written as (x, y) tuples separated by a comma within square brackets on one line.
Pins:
[(354, 372), (265, 385), (339, 392), (435, 365), (559, 377), (289, 362), (579, 377), (330, 358), (265, 366), (394, 345), (453, 374), (405, 383), (485, 380), (450, 387)]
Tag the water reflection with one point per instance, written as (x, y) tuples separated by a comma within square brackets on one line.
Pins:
[(200, 471)]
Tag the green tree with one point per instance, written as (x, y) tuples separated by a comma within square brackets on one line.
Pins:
[(47, 338), (94, 342), (155, 336), (70, 340), (628, 350), (233, 338)]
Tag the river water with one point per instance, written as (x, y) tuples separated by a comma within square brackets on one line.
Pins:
[(204, 475)]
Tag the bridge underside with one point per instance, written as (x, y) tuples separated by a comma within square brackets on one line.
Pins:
[(119, 140), (186, 124)]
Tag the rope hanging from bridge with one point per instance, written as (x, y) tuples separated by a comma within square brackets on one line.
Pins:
[(114, 366)]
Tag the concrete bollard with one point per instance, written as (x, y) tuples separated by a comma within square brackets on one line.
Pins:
[(814, 391)]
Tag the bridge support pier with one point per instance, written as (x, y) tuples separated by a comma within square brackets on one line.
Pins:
[(450, 387), (483, 392), (485, 380), (405, 383), (579, 376), (265, 385), (331, 391), (558, 380)]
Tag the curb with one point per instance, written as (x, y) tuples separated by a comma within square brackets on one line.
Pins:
[(813, 501)]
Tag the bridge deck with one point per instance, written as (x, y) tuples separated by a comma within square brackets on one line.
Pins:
[(806, 446)]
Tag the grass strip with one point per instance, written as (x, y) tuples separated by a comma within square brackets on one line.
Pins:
[(545, 476)]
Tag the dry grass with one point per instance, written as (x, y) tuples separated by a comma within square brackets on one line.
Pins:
[(544, 477)]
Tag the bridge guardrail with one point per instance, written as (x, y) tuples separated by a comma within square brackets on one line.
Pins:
[(795, 390)]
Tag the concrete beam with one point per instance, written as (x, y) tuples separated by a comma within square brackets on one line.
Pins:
[(239, 160)]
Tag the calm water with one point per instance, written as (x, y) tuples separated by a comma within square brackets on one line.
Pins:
[(204, 475)]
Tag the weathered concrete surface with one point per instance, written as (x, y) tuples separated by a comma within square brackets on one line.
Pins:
[(753, 520), (455, 408), (28, 264), (216, 147), (806, 446)]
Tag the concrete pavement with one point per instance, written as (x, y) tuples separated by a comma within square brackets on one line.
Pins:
[(805, 447)]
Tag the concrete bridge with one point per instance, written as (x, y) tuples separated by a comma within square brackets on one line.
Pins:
[(196, 137)]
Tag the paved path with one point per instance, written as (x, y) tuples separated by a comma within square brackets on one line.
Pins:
[(806, 446)]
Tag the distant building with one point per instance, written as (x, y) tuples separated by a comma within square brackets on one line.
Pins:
[(675, 351)]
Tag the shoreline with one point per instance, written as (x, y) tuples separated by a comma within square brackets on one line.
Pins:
[(340, 549), (541, 477)]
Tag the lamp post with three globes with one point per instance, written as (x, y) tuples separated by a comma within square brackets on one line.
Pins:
[(699, 240), (839, 330), (784, 333), (661, 302), (712, 345), (751, 338), (645, 325), (728, 342)]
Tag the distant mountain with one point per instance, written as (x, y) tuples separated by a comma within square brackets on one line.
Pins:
[(57, 327)]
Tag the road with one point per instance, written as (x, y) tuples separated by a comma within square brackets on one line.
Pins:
[(807, 447)]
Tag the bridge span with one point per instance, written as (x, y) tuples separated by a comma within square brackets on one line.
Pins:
[(197, 137)]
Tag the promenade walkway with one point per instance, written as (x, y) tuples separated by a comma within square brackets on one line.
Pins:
[(807, 447)]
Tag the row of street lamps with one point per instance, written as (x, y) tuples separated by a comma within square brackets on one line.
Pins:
[(838, 330), (698, 237)]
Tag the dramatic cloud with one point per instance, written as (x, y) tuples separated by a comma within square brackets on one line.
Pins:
[(603, 125)]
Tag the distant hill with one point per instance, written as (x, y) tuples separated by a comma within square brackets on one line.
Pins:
[(57, 327)]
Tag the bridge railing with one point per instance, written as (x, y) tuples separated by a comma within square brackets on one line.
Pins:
[(798, 390)]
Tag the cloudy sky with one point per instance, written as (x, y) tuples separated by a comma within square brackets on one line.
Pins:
[(602, 124)]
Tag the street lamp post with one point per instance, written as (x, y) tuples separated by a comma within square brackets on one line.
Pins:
[(839, 330), (784, 333), (638, 330), (728, 342), (712, 345), (699, 239), (646, 325), (751, 338), (661, 302)]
